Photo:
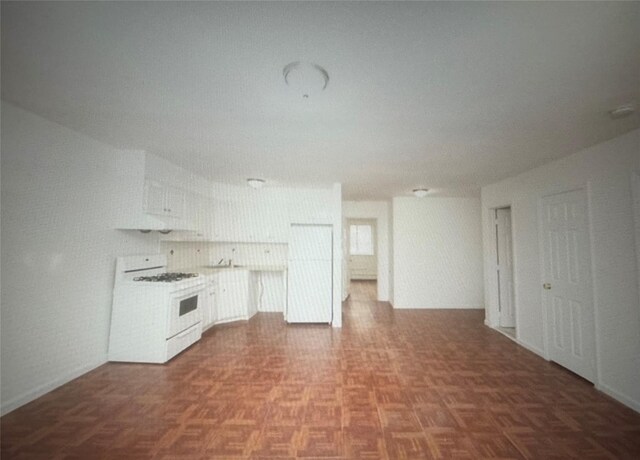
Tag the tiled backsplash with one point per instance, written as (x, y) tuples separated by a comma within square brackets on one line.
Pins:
[(183, 255)]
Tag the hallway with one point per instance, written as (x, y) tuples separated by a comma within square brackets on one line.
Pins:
[(391, 384)]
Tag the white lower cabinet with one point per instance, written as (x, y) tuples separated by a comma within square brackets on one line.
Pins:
[(234, 295), (209, 315)]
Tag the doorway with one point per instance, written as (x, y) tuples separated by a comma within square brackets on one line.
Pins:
[(362, 262), (504, 271), (567, 288)]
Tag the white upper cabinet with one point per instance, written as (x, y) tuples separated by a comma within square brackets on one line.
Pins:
[(141, 203), (238, 221), (163, 200)]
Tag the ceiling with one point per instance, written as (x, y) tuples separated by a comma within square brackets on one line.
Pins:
[(451, 96)]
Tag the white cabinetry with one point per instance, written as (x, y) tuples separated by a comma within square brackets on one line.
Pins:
[(209, 310), (163, 200), (141, 201), (243, 220), (235, 295)]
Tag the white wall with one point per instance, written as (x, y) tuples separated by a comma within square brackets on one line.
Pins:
[(338, 259), (187, 255), (636, 215), (605, 171), (437, 253), (378, 210), (58, 254)]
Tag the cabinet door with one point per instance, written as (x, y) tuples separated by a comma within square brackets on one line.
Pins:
[(233, 294), (204, 308), (154, 198), (225, 304), (174, 201), (211, 294), (209, 313)]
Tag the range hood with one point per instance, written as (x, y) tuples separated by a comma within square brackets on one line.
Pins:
[(147, 223)]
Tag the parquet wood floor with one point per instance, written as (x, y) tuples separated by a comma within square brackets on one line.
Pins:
[(389, 385)]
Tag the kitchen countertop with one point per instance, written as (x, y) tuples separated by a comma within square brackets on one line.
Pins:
[(207, 270)]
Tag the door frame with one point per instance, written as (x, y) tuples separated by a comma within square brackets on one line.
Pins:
[(586, 189), (496, 259), (493, 320), (374, 225)]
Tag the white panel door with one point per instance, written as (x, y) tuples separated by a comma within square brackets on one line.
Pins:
[(567, 282), (505, 267), (310, 290)]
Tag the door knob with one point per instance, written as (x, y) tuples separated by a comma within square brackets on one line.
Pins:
[(546, 286)]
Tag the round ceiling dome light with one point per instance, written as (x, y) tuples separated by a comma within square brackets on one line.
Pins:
[(306, 78), (420, 192), (255, 183), (622, 111)]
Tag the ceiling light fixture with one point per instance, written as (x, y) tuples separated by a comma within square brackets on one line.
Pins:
[(305, 78), (420, 192), (622, 111), (255, 183)]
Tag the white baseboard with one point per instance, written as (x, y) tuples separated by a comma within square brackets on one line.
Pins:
[(45, 388), (532, 349), (456, 307), (632, 403), (528, 346), (231, 320), (629, 402)]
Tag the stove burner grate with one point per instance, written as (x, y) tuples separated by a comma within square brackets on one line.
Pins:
[(166, 277)]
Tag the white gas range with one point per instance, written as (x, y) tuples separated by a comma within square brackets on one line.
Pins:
[(155, 314)]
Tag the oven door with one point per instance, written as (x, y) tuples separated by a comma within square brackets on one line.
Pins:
[(184, 310)]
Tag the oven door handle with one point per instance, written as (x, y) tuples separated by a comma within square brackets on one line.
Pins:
[(191, 290)]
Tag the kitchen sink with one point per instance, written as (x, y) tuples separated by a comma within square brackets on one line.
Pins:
[(222, 267)]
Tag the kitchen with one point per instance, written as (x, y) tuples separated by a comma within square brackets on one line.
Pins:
[(251, 248)]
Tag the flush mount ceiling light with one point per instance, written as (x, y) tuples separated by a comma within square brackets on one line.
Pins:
[(306, 78), (420, 192), (622, 111), (255, 183)]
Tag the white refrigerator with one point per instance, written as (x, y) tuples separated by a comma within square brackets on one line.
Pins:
[(310, 274)]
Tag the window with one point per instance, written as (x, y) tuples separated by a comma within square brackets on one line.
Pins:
[(360, 240)]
